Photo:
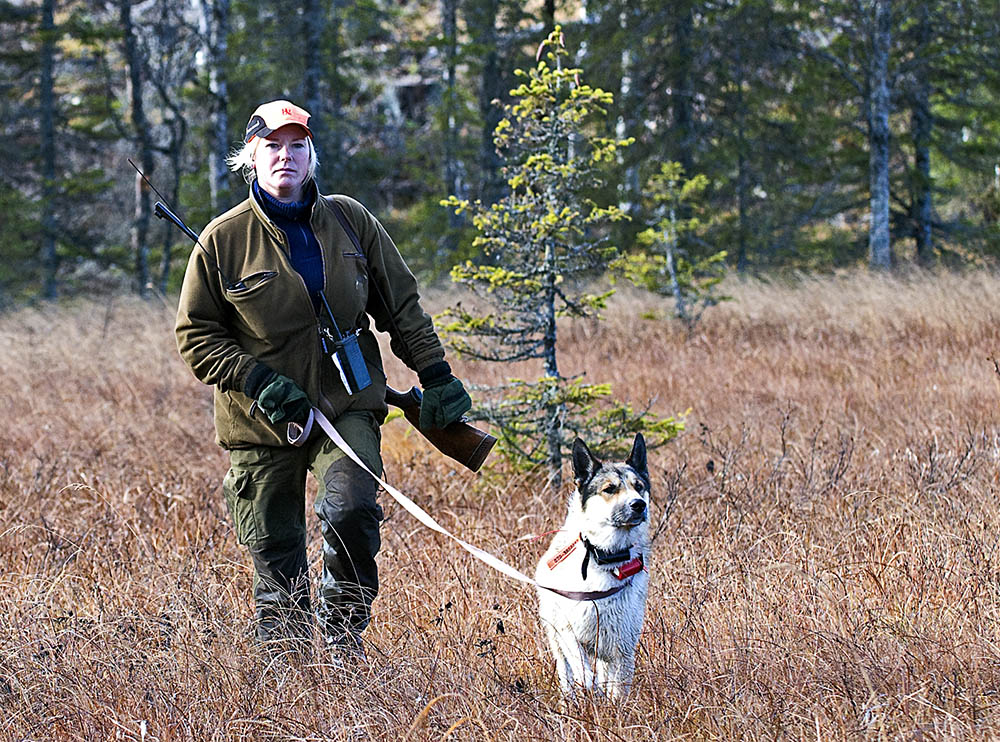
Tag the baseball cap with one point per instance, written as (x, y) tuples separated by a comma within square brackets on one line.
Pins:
[(271, 116)]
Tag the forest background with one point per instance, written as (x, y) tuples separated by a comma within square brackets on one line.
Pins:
[(826, 560), (831, 133)]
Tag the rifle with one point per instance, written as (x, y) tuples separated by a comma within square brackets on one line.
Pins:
[(459, 440)]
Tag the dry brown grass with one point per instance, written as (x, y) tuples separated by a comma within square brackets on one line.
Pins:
[(829, 569)]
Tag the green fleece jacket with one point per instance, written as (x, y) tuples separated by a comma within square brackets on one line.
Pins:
[(243, 304)]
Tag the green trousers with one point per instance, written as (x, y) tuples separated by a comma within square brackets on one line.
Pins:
[(265, 492)]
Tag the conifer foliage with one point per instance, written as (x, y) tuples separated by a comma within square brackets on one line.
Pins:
[(664, 266), (539, 240)]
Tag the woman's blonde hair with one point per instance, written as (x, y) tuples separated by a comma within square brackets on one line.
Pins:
[(241, 159)]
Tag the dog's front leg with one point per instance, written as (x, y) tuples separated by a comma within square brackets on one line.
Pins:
[(614, 676), (577, 663), (563, 668)]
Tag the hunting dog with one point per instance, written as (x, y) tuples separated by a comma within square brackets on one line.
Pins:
[(594, 574)]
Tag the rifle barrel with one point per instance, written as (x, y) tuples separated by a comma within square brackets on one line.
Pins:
[(162, 212)]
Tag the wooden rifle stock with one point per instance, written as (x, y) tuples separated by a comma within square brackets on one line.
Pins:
[(468, 445)]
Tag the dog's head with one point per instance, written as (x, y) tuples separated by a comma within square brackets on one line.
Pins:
[(614, 494)]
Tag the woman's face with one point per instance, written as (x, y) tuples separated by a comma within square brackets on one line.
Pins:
[(282, 162)]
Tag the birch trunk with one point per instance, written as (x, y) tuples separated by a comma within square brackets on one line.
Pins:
[(879, 244), (140, 224), (213, 22)]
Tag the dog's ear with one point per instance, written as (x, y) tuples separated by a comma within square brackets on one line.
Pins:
[(584, 463), (637, 459)]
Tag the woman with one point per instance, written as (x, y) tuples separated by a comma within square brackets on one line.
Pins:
[(272, 313)]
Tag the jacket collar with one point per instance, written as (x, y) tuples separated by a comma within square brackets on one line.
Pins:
[(281, 210)]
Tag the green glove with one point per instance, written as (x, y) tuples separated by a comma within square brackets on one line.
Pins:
[(282, 401), (444, 402)]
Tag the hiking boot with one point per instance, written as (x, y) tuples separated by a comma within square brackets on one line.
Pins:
[(346, 650)]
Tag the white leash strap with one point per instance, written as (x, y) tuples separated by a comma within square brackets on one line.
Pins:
[(411, 507)]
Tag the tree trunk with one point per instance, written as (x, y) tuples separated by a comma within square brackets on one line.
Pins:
[(670, 242), (879, 244), (166, 75), (213, 21), (140, 223), (313, 21), (923, 123), (682, 99), (452, 171), (630, 105), (482, 23), (554, 412), (47, 114), (549, 16), (334, 164), (452, 185), (683, 94), (741, 165), (176, 148)]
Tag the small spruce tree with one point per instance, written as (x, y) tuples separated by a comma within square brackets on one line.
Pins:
[(665, 268), (540, 240)]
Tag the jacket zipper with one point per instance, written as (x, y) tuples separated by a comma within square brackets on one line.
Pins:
[(287, 250), (322, 257)]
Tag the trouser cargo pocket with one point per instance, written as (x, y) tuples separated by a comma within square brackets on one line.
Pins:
[(264, 493), (237, 488)]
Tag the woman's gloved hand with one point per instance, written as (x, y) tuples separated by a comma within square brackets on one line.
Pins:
[(445, 399), (278, 397)]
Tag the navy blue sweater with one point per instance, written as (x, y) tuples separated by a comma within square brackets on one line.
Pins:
[(303, 247)]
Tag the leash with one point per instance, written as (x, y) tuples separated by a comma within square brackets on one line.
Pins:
[(297, 435)]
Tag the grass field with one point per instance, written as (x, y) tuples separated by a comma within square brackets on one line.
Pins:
[(828, 568)]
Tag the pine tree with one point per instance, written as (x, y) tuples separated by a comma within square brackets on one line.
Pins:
[(541, 238), (667, 268)]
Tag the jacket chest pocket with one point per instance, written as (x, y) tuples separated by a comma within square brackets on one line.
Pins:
[(249, 285), (262, 302)]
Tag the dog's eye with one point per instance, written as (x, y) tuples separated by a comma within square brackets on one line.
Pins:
[(609, 489)]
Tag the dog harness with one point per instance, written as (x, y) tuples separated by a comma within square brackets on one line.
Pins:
[(627, 566)]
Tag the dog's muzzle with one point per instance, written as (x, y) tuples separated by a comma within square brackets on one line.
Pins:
[(632, 514)]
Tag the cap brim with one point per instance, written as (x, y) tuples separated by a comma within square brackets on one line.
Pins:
[(257, 127)]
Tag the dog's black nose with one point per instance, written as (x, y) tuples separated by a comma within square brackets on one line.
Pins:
[(638, 506)]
